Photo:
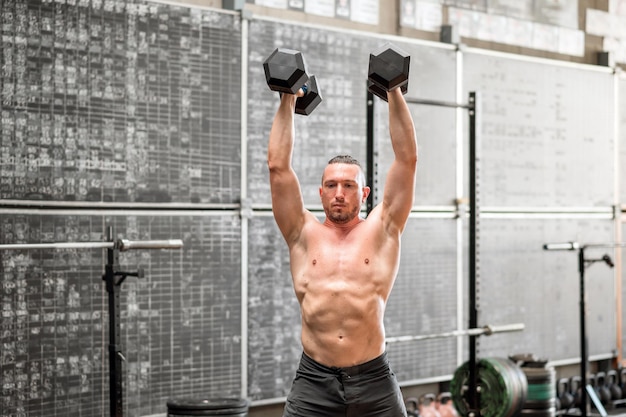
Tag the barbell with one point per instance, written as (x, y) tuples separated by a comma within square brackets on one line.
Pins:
[(486, 330), (121, 244)]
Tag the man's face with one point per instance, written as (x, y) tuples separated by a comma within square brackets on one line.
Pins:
[(342, 192)]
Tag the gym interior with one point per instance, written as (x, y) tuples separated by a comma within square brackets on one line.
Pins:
[(142, 272)]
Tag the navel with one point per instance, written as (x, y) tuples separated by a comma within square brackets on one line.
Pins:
[(314, 261), (367, 260)]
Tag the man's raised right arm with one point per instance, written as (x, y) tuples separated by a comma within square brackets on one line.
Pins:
[(287, 203)]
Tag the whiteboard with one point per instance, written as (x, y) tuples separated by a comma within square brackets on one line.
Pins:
[(520, 282), (546, 132)]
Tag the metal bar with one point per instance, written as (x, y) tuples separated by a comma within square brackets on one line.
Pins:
[(461, 207), (116, 403), (122, 244), (438, 103), (371, 177), (62, 245), (472, 395), (487, 330), (561, 246), (617, 362), (591, 392), (125, 245), (245, 219), (584, 356), (113, 206), (515, 327), (605, 245), (576, 245)]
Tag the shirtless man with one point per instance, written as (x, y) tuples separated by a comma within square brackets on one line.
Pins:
[(343, 270)]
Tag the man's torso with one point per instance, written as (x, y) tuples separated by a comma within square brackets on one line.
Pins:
[(342, 281)]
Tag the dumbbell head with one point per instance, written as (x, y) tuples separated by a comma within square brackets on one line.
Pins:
[(375, 89), (312, 97), (388, 69), (285, 70)]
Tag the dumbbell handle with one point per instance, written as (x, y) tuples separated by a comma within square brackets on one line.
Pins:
[(304, 89)]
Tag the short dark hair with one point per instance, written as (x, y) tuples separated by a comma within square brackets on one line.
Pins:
[(344, 159), (347, 159)]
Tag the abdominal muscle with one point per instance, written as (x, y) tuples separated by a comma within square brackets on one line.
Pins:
[(338, 330), (342, 286)]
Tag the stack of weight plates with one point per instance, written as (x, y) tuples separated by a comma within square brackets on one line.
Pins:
[(541, 399), (501, 388), (227, 407)]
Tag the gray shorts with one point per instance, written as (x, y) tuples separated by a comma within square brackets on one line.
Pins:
[(366, 390)]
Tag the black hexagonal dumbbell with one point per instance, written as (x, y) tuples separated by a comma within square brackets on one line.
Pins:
[(388, 69), (285, 72)]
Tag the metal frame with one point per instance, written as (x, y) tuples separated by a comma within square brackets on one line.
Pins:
[(474, 214), (583, 263), (113, 278)]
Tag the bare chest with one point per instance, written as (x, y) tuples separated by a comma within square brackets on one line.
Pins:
[(330, 252), (356, 262)]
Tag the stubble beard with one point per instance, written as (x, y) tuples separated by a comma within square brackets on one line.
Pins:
[(342, 217)]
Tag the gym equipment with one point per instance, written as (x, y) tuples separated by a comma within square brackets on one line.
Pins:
[(575, 386), (285, 72), (541, 400), (486, 330), (583, 262), (593, 387), (388, 70), (412, 407), (502, 384), (445, 406), (311, 98), (122, 245), (426, 406), (602, 387), (113, 278), (216, 407), (622, 379), (612, 379), (472, 394), (563, 392)]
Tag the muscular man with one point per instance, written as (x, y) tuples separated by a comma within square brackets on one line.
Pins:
[(343, 270)]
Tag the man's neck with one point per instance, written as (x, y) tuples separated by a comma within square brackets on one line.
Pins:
[(343, 227)]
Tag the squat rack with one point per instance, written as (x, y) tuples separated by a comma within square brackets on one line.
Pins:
[(473, 106), (113, 277), (583, 263)]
